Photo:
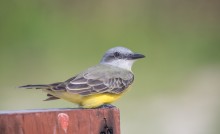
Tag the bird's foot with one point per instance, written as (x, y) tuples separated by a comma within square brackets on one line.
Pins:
[(106, 106)]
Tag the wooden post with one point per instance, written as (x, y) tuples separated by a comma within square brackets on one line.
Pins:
[(61, 121)]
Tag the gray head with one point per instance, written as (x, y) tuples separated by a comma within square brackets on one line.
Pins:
[(121, 57)]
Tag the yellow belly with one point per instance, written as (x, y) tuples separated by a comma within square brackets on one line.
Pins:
[(90, 101), (96, 100)]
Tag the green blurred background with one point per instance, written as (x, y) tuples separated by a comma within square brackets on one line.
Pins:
[(177, 85)]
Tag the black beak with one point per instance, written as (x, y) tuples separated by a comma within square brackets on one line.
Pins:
[(136, 56)]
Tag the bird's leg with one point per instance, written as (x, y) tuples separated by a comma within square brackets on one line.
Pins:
[(106, 106)]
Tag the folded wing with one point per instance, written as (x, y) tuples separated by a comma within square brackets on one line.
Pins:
[(98, 81)]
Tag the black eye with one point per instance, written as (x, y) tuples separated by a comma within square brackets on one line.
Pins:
[(116, 54)]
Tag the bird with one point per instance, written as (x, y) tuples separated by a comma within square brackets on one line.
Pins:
[(99, 85)]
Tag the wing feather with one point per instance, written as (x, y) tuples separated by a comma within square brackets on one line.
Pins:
[(113, 85), (98, 80)]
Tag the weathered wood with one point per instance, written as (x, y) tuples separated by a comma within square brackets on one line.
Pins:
[(61, 121)]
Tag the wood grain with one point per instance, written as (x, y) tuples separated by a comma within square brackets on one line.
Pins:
[(61, 121)]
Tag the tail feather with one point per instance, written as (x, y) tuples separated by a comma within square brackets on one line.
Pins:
[(40, 86), (51, 98), (35, 86), (46, 87)]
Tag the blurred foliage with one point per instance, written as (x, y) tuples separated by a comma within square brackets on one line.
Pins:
[(48, 41)]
